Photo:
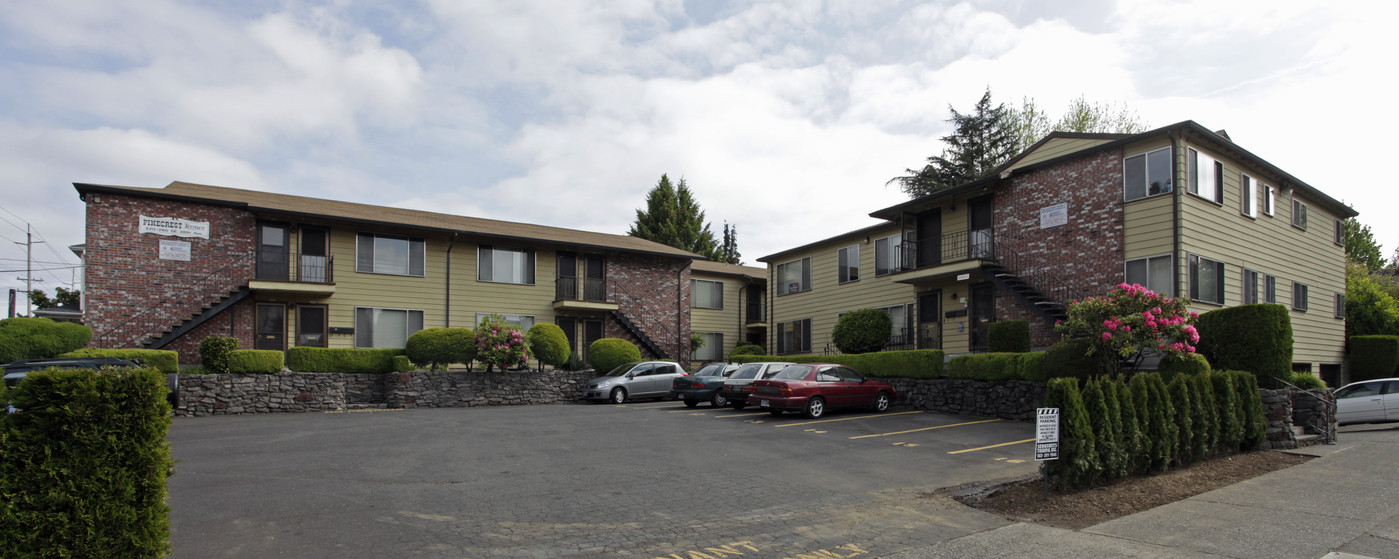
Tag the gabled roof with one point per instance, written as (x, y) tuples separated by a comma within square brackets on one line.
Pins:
[(712, 267), (335, 210), (1189, 129), (856, 233)]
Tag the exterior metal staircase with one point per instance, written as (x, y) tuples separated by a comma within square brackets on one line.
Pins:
[(641, 336), (1028, 295), (209, 311)]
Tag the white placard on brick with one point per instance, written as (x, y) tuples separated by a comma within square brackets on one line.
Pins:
[(174, 250), (1054, 216), (174, 227)]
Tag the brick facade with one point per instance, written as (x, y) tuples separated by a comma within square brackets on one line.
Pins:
[(655, 294)]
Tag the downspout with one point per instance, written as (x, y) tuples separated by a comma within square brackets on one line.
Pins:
[(1175, 213), (447, 314), (680, 333)]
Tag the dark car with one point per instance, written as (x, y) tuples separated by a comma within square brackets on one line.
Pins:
[(703, 385), (740, 383), (18, 370), (815, 388)]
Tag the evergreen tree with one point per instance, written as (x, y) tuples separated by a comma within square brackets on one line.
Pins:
[(1095, 401), (1078, 464), (1206, 416), (61, 297), (728, 248), (1226, 400), (672, 217), (1183, 404), (1134, 461), (982, 140)]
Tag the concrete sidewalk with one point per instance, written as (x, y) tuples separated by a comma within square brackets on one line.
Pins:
[(1343, 504)]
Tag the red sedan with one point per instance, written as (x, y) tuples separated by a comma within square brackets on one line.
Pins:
[(814, 388)]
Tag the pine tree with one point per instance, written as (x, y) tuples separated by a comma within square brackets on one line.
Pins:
[(672, 217), (983, 139), (728, 248)]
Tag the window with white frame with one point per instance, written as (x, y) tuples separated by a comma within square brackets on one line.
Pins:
[(389, 254), (898, 323), (1269, 197), (1299, 214), (1270, 289), (385, 328), (1155, 273), (1206, 280), (1205, 176), (794, 276), (522, 321), (713, 348), (1340, 310), (1146, 174), (706, 294), (1299, 296), (848, 264), (1250, 291), (794, 336), (1248, 204), (505, 265), (886, 255)]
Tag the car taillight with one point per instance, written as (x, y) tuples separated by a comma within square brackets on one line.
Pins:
[(750, 388), (696, 385), (784, 391)]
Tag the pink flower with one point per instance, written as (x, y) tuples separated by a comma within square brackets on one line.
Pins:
[(1126, 328), (1194, 315), (1107, 335)]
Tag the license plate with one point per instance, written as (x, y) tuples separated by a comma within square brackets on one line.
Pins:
[(763, 404)]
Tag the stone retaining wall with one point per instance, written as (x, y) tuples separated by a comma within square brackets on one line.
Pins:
[(1006, 399), (1312, 410)]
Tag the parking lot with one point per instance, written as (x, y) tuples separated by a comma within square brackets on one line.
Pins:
[(649, 479)]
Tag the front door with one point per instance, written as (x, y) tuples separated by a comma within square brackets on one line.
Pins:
[(981, 241), (271, 327), (592, 332), (310, 326), (569, 325), (567, 282), (930, 238), (982, 311), (930, 319), (272, 252)]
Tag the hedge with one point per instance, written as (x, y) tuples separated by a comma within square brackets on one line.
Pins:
[(439, 347), (549, 344), (341, 360), (163, 360), (1069, 358), (1009, 336), (997, 366), (256, 361), (1253, 338), (39, 338), (1187, 364), (747, 349), (1078, 463), (214, 352), (85, 465), (914, 363), (401, 364), (609, 353), (1373, 357), (862, 331)]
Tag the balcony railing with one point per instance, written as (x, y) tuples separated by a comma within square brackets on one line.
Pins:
[(580, 289), (952, 247), (275, 265)]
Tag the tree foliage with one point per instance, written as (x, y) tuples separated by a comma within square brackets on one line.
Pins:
[(862, 331), (1131, 323), (981, 140), (1361, 247), (61, 298), (1370, 310), (1030, 123), (728, 246), (674, 218)]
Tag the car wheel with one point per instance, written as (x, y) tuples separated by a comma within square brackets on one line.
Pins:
[(775, 412), (815, 408), (881, 402), (719, 400), (619, 395), (740, 405), (691, 403)]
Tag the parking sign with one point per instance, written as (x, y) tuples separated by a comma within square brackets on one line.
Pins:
[(1047, 434)]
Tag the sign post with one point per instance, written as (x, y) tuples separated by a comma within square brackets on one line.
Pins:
[(1046, 440)]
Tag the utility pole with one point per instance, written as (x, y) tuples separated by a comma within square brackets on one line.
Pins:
[(28, 278)]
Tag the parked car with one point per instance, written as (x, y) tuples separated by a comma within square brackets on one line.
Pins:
[(740, 383), (703, 385), (638, 379), (18, 370), (815, 388), (1370, 401)]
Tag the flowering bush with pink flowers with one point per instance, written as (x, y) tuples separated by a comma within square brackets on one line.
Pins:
[(1132, 323), (500, 344)]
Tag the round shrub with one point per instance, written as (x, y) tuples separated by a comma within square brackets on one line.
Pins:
[(748, 349), (549, 344), (439, 347), (39, 338), (1008, 336), (215, 353), (607, 353), (862, 331), (1307, 381), (1186, 364), (1069, 358)]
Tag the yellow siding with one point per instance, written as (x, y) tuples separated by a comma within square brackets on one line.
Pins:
[(728, 320), (471, 296), (1055, 148), (355, 289)]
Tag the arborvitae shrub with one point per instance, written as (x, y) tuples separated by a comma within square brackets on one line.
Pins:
[(1183, 405), (1129, 430), (862, 331), (1253, 338), (1077, 465), (215, 351), (1204, 415), (1141, 402), (1095, 400), (1251, 404), (1231, 422), (1161, 422), (607, 353), (1008, 336), (548, 343)]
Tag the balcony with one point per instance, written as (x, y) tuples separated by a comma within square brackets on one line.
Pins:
[(290, 272), (952, 253), (582, 294)]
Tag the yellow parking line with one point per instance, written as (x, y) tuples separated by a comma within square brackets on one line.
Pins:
[(992, 446), (924, 429), (706, 408), (847, 418)]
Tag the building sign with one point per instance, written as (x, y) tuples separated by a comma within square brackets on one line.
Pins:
[(1054, 216), (1047, 434), (174, 227), (174, 250)]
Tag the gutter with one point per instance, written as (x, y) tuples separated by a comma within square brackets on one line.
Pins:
[(447, 311)]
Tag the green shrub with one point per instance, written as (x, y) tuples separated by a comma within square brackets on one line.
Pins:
[(163, 360), (1373, 357), (341, 360), (256, 361), (575, 363), (1187, 364), (1255, 424), (85, 465), (439, 347), (1032, 366), (1078, 464), (1134, 445), (1370, 310), (1307, 381), (1095, 401), (747, 349), (913, 363), (1184, 406), (1009, 336), (402, 364), (862, 331), (1112, 398), (607, 353), (1069, 358), (1231, 421), (214, 352), (39, 338), (548, 343), (1162, 427), (984, 366), (1253, 338), (1204, 415)]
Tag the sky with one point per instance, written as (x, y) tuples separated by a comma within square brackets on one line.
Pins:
[(786, 118)]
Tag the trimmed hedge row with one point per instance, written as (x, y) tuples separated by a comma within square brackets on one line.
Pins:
[(341, 360), (163, 360), (997, 366), (39, 338), (439, 347), (916, 363), (256, 361), (1008, 336), (214, 352), (1373, 357), (85, 465), (1254, 338)]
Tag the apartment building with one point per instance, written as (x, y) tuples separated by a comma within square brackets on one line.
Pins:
[(727, 307)]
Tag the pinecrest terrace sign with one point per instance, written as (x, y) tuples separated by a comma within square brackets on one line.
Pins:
[(173, 227)]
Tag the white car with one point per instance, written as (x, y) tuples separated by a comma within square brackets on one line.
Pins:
[(638, 379), (1370, 401)]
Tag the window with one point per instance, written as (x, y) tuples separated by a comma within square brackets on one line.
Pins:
[(385, 328), (1270, 289), (1250, 287), (1268, 196), (389, 254), (1340, 310), (1206, 280), (1155, 273), (848, 263), (505, 265), (794, 276), (1299, 296), (1147, 174), (1299, 214), (886, 255), (706, 294), (522, 321), (713, 349), (1247, 204), (794, 336), (1340, 233), (898, 328), (310, 326), (1205, 176)]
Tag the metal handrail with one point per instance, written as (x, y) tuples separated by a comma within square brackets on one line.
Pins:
[(273, 265), (177, 305), (622, 297)]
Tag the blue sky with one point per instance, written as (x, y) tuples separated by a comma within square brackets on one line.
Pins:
[(786, 118)]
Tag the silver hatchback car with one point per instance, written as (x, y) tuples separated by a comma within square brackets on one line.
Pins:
[(638, 379)]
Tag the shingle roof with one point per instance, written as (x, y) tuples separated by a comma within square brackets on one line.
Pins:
[(728, 269), (287, 204)]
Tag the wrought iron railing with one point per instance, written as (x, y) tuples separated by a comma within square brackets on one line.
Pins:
[(569, 289), (177, 304), (277, 265), (952, 247), (665, 334), (902, 339)]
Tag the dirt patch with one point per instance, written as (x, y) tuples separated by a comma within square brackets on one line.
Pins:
[(1024, 501)]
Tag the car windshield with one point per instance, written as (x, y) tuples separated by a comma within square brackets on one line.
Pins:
[(793, 372), (749, 370), (1359, 390), (622, 369), (711, 370)]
